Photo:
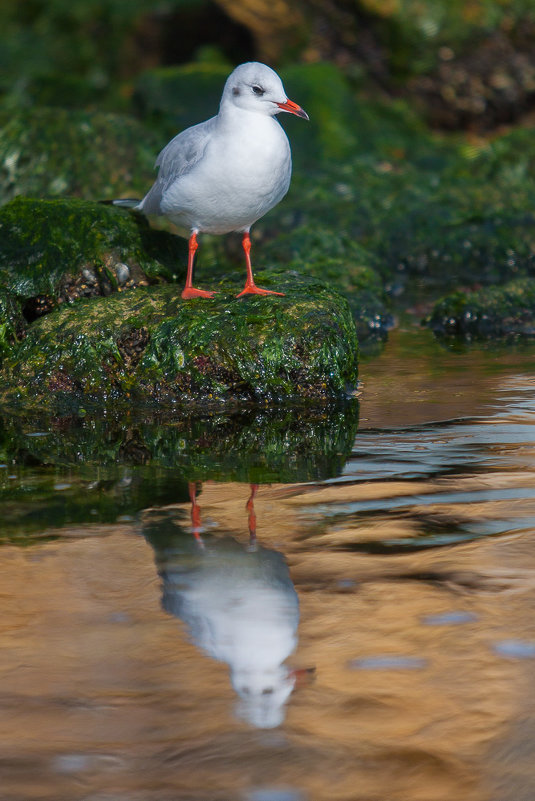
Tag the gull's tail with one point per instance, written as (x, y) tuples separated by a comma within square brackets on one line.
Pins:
[(125, 203)]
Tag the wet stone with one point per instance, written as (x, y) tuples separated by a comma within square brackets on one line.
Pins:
[(496, 312), (58, 251), (54, 152), (149, 346)]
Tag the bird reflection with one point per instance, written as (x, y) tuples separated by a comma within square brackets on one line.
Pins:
[(238, 602)]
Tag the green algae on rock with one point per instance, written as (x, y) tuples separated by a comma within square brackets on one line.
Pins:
[(53, 251), (493, 312), (12, 323), (149, 347), (52, 152), (337, 258)]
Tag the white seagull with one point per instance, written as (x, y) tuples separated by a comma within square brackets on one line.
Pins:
[(222, 175)]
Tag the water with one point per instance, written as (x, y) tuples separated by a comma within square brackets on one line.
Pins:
[(326, 604)]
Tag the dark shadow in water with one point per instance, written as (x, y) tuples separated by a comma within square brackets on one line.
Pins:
[(59, 472), (238, 602)]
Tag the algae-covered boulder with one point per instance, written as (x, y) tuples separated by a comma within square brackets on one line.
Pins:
[(52, 251), (53, 152), (493, 312), (149, 346), (338, 259), (12, 323)]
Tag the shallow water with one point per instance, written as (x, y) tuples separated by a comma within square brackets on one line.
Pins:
[(278, 607)]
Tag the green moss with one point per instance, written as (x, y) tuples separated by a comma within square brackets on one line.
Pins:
[(149, 346), (59, 250), (12, 323), (338, 259), (52, 152), (503, 311)]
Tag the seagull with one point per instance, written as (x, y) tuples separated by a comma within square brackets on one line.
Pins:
[(238, 603), (222, 175)]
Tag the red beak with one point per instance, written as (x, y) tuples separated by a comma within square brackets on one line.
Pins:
[(293, 108), (302, 676)]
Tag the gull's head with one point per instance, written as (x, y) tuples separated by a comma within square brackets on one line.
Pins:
[(263, 693), (256, 87)]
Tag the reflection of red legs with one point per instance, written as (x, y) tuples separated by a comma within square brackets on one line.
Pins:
[(302, 676), (195, 512), (252, 516), (250, 287), (189, 290)]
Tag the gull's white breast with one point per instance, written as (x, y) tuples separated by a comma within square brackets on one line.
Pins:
[(245, 171)]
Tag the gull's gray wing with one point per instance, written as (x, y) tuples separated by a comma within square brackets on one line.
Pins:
[(176, 159)]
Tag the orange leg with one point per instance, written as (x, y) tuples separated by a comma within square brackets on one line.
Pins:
[(189, 290), (250, 287), (252, 516), (196, 524)]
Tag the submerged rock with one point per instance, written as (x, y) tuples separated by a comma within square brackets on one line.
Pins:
[(148, 346), (493, 312)]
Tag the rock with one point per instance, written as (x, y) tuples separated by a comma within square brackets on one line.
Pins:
[(56, 251), (336, 258), (52, 152), (12, 323), (493, 312), (412, 207), (149, 347)]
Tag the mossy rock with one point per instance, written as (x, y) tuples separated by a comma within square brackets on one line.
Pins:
[(338, 259), (12, 323), (52, 251), (324, 93), (148, 346), (65, 90), (493, 312), (52, 152)]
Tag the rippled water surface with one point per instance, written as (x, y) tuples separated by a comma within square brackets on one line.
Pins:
[(332, 604)]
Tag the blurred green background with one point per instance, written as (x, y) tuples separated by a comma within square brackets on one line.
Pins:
[(464, 63)]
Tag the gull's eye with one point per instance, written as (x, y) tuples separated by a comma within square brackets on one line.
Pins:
[(258, 90)]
